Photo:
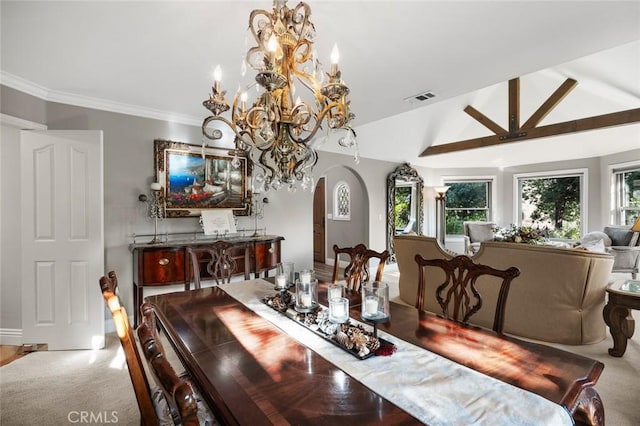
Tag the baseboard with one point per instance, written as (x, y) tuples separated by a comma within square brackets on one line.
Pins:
[(11, 336), (342, 263)]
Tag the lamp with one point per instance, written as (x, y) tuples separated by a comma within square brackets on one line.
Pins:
[(276, 131), (636, 225), (440, 217)]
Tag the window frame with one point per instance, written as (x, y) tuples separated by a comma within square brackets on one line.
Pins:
[(582, 173), (491, 196), (336, 209), (617, 210)]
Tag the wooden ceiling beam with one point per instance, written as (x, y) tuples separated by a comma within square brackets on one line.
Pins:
[(514, 105), (484, 120), (597, 122), (553, 100)]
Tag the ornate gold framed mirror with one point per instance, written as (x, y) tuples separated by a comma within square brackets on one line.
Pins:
[(405, 210)]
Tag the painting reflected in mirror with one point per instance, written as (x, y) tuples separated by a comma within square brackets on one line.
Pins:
[(404, 205)]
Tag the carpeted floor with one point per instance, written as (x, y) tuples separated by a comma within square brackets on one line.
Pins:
[(57, 387)]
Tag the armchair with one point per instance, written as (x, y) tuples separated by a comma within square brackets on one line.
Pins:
[(622, 242), (475, 233), (625, 249)]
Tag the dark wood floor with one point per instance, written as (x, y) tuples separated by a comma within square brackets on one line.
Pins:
[(324, 272)]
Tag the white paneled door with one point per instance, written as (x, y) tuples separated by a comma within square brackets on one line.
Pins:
[(62, 238)]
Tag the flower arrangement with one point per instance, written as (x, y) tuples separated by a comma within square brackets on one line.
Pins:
[(522, 234)]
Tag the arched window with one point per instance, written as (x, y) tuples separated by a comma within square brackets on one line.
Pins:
[(342, 201)]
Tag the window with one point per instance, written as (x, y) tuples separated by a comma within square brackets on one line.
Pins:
[(341, 201), (553, 201), (626, 186), (467, 200)]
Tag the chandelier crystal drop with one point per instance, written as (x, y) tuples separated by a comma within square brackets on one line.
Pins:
[(277, 130)]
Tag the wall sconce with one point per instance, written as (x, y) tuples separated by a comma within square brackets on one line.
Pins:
[(155, 208), (440, 217)]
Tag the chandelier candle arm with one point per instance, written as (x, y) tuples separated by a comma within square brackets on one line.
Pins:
[(275, 131)]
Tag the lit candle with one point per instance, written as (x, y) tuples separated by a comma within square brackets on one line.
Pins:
[(335, 57), (281, 281), (338, 310), (243, 100), (272, 48), (371, 305), (217, 76), (155, 186), (305, 300)]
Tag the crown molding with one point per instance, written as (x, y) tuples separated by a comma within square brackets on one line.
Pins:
[(21, 123), (41, 92)]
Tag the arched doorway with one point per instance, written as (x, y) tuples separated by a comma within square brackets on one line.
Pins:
[(331, 224)]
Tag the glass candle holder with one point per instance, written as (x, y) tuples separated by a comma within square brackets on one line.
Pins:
[(306, 275), (281, 282), (338, 309), (306, 295), (375, 301), (286, 270), (334, 291)]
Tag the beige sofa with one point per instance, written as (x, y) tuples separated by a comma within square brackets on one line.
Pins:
[(558, 297)]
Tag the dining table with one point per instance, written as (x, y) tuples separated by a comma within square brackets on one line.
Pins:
[(253, 365)]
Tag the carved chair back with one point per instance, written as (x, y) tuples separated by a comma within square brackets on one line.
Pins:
[(220, 261), (357, 271), (458, 295), (177, 390), (108, 286)]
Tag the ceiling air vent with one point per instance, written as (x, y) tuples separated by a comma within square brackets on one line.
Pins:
[(421, 97)]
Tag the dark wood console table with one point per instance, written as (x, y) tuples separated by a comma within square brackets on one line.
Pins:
[(167, 263)]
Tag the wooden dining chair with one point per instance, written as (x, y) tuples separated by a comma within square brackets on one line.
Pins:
[(183, 404), (108, 286), (357, 271), (458, 295), (220, 260)]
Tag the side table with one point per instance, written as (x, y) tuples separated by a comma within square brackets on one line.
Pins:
[(624, 295)]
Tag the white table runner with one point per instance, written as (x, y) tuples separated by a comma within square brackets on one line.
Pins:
[(444, 393)]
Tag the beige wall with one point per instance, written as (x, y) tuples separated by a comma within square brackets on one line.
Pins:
[(128, 171)]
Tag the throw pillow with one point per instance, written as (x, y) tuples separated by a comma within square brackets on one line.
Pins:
[(593, 237), (479, 232), (619, 236), (635, 240), (594, 246)]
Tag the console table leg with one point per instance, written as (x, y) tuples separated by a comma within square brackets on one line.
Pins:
[(621, 326), (589, 409), (137, 301)]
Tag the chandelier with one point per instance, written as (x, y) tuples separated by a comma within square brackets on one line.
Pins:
[(278, 130)]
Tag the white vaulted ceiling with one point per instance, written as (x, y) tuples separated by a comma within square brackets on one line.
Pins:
[(155, 59)]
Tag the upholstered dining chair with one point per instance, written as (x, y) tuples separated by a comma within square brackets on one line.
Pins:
[(357, 271), (220, 260), (458, 295)]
